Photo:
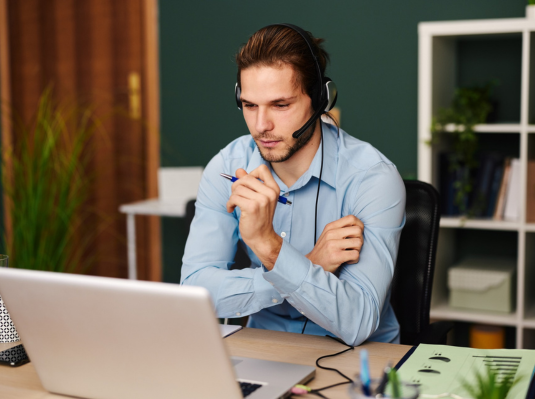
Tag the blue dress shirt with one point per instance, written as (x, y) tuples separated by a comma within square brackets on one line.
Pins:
[(355, 306)]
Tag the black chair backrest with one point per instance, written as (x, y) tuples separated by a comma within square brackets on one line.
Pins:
[(241, 259), (413, 276)]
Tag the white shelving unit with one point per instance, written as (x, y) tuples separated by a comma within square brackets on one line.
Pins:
[(437, 81)]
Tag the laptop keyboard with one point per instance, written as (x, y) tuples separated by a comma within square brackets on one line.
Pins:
[(247, 388)]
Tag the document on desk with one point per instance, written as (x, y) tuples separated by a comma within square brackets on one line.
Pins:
[(440, 369), (227, 329)]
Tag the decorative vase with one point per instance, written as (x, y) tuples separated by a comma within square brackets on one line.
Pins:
[(8, 332)]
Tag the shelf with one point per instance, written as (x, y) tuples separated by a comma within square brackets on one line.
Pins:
[(456, 54), (474, 27), (529, 322), (530, 227), (492, 128), (483, 224), (445, 312), (529, 318)]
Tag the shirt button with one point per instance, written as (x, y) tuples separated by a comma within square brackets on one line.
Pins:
[(283, 234), (238, 314), (274, 300), (285, 194), (302, 313)]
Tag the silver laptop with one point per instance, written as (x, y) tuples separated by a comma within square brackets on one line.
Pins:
[(96, 337)]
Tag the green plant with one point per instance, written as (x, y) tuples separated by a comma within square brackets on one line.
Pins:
[(470, 106), (46, 184), (531, 2), (489, 386)]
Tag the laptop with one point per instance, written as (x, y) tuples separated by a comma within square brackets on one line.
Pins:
[(98, 337)]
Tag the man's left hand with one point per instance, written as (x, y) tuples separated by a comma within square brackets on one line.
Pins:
[(257, 202), (339, 243)]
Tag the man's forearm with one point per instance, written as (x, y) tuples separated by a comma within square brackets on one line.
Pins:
[(267, 250)]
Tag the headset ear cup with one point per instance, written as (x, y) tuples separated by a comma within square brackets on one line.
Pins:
[(332, 94), (237, 96)]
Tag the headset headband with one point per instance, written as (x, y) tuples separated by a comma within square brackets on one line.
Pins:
[(306, 38)]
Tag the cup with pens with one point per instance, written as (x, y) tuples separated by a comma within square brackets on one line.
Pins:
[(388, 386)]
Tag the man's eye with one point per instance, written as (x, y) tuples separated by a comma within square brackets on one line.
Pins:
[(250, 105), (282, 105)]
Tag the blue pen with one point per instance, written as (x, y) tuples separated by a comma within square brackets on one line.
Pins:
[(365, 373), (282, 200)]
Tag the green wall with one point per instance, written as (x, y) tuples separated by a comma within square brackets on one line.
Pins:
[(374, 62)]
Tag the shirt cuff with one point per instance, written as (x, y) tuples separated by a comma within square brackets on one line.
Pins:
[(289, 271), (265, 294)]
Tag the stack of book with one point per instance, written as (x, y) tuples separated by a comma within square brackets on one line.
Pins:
[(495, 190)]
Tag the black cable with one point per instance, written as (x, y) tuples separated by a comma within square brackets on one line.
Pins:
[(316, 212), (318, 192), (349, 380)]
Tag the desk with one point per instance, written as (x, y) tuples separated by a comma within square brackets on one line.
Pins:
[(22, 382), (152, 207)]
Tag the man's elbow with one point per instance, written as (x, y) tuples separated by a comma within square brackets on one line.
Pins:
[(362, 326)]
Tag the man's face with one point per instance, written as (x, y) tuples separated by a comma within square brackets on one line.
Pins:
[(274, 107)]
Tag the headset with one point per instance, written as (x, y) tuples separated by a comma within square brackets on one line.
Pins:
[(324, 96)]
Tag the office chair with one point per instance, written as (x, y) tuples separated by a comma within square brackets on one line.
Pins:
[(241, 259), (413, 276)]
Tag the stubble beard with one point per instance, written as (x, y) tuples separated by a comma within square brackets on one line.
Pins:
[(291, 149)]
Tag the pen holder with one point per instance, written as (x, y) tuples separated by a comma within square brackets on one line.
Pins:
[(407, 391), (8, 332)]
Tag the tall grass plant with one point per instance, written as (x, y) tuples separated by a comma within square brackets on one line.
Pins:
[(46, 184)]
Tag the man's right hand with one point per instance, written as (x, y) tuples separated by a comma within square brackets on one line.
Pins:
[(340, 242)]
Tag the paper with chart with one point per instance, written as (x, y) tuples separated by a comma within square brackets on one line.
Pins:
[(439, 369)]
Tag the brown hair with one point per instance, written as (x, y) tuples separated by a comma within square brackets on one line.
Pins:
[(276, 45)]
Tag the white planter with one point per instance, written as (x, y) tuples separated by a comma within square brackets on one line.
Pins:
[(8, 332), (530, 11)]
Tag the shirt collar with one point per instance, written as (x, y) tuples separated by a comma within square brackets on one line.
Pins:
[(330, 161)]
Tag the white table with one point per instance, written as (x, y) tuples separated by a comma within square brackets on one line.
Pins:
[(152, 207)]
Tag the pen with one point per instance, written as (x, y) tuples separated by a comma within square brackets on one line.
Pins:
[(384, 380), (365, 373), (282, 200)]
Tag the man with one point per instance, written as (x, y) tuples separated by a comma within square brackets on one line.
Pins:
[(338, 185)]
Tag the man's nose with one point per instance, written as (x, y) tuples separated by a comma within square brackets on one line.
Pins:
[(263, 121)]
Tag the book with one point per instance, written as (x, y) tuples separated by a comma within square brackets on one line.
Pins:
[(500, 203), (530, 193), (495, 188), (512, 198), (483, 183)]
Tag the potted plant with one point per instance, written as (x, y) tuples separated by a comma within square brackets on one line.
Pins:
[(470, 106), (46, 184), (490, 385)]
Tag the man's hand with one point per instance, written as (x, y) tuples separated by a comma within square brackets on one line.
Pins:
[(340, 242), (257, 202)]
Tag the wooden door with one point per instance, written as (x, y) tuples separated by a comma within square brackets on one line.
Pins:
[(102, 53)]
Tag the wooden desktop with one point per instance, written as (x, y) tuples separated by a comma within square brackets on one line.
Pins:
[(22, 382)]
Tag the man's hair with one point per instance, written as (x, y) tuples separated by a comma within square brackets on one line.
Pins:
[(277, 45)]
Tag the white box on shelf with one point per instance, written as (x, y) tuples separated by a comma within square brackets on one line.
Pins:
[(483, 284)]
